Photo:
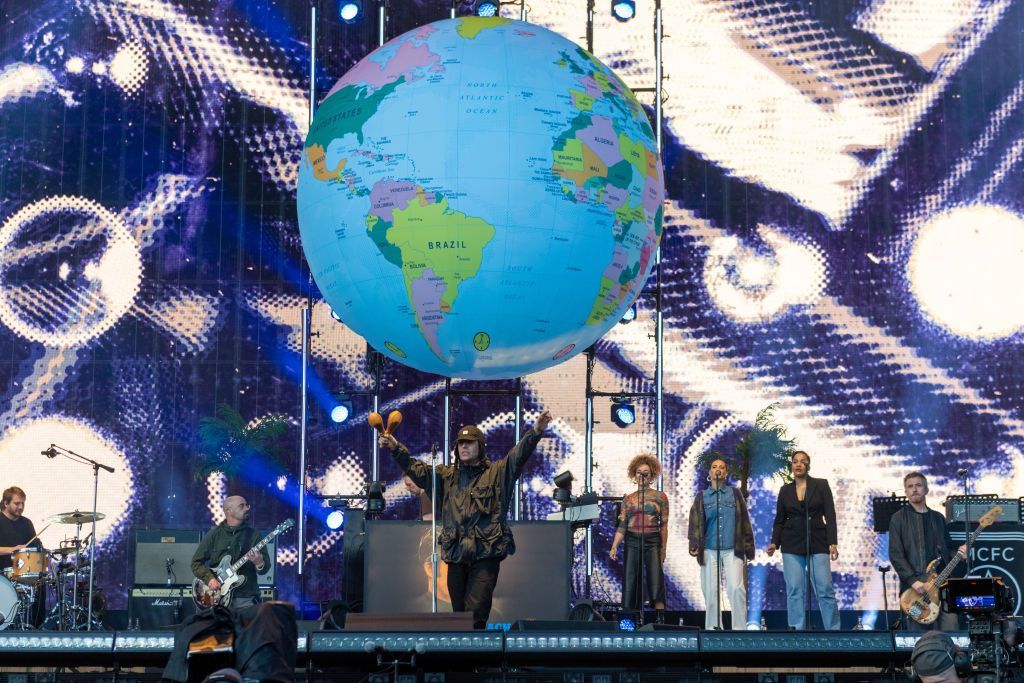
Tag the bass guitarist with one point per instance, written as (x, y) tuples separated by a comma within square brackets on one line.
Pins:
[(233, 538), (918, 535)]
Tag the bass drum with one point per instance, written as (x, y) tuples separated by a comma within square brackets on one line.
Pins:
[(8, 603)]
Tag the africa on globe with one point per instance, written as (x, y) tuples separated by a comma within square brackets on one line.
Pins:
[(480, 198)]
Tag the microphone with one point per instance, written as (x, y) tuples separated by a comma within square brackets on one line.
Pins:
[(50, 452), (884, 568), (961, 472)]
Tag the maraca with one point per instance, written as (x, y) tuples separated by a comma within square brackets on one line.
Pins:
[(377, 422)]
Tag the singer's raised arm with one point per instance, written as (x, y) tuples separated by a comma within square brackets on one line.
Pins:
[(417, 471)]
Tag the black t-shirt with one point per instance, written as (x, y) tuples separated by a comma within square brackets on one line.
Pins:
[(14, 533)]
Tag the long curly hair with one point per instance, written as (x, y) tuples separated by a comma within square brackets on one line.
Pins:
[(643, 459)]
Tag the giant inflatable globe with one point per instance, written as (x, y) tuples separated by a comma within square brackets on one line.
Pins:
[(480, 198)]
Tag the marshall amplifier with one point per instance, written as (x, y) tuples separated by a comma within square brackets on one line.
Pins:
[(160, 608), (165, 608)]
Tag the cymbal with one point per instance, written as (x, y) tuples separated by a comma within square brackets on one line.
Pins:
[(75, 517)]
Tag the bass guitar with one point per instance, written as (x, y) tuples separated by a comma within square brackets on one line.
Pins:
[(924, 607), (226, 572)]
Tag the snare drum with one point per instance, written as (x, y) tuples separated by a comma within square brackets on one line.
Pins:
[(8, 603), (29, 565)]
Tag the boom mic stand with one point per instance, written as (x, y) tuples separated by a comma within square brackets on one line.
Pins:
[(96, 467)]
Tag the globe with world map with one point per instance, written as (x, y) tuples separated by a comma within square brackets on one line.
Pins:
[(480, 198)]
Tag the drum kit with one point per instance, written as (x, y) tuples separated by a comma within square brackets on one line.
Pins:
[(34, 571)]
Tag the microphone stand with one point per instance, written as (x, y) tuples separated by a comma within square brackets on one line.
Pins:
[(96, 467), (433, 528), (885, 593), (807, 547), (717, 484), (643, 542)]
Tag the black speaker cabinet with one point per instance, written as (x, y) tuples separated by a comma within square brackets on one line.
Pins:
[(160, 608), (164, 556), (165, 608)]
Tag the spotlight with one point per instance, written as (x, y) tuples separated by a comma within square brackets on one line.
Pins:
[(335, 520), (627, 624), (629, 315), (350, 10), (563, 488), (340, 411), (623, 10), (623, 412), (486, 8)]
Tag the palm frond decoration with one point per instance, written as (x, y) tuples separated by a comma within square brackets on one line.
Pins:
[(230, 445), (763, 452)]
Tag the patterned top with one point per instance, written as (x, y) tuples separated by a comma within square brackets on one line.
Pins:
[(651, 519)]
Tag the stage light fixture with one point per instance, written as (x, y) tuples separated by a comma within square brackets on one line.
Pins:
[(486, 8), (623, 10), (350, 11), (563, 488), (627, 624), (623, 412), (629, 315), (335, 519), (340, 413)]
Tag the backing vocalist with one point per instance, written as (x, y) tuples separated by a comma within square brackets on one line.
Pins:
[(722, 540), (643, 524)]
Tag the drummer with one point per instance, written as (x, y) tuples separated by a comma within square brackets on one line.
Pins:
[(16, 531)]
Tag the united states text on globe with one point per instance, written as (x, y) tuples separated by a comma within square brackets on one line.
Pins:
[(480, 198)]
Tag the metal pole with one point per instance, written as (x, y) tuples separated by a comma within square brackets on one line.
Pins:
[(382, 19), (312, 63), (517, 494), (659, 370), (590, 26), (305, 316), (588, 464), (375, 446), (447, 419), (303, 422)]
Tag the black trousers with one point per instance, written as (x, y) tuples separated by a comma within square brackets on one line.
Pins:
[(471, 587), (651, 544)]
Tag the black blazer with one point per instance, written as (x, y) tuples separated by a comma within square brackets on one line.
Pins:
[(788, 530)]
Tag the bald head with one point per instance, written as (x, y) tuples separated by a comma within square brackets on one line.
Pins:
[(236, 510)]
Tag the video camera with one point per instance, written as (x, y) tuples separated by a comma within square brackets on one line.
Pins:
[(994, 635)]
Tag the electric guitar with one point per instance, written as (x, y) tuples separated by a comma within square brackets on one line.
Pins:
[(924, 608), (227, 573)]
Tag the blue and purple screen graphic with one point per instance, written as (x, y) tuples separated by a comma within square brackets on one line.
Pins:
[(844, 237)]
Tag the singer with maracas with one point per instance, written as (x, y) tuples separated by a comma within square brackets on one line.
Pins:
[(474, 495), (643, 524)]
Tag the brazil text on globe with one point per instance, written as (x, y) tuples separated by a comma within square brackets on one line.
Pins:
[(446, 245)]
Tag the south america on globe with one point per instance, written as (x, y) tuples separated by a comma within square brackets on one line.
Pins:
[(480, 198)]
